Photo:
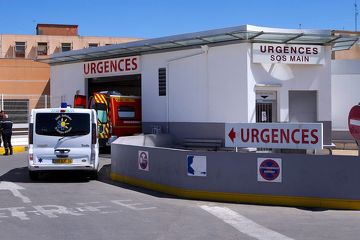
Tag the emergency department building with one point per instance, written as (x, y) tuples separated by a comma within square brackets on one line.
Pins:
[(192, 84), (24, 80)]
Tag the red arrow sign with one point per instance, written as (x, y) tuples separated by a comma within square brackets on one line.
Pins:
[(232, 135), (275, 135)]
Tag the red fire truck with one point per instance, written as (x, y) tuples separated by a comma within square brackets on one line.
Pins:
[(117, 115)]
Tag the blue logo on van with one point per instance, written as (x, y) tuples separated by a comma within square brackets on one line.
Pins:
[(63, 123)]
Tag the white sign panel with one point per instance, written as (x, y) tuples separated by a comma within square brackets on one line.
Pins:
[(196, 166), (288, 53), (274, 135), (269, 170), (143, 160), (112, 67)]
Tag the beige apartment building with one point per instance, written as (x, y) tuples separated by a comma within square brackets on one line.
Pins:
[(24, 82), (351, 54)]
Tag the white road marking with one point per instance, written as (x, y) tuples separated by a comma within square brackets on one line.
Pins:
[(132, 206), (80, 209), (89, 207), (52, 211), (14, 189), (109, 212), (34, 212), (355, 122), (244, 224), (15, 212)]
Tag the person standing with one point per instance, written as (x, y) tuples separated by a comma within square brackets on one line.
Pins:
[(6, 132)]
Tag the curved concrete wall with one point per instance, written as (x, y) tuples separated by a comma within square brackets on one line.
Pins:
[(307, 180)]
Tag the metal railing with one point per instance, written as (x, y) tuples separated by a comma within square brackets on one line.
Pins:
[(18, 107)]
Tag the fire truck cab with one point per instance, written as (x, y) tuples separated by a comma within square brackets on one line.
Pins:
[(117, 115)]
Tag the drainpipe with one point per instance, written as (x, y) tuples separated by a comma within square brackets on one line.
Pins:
[(46, 102)]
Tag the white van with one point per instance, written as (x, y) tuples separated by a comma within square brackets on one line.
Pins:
[(63, 139)]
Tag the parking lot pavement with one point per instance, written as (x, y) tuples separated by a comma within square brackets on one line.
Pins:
[(69, 206)]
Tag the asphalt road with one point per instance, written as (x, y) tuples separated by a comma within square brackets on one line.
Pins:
[(68, 206)]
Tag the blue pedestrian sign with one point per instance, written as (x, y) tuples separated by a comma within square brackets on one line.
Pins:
[(196, 166)]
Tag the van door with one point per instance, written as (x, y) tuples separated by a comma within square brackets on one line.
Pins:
[(100, 104)]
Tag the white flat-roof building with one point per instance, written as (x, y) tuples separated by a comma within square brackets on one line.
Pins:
[(191, 84)]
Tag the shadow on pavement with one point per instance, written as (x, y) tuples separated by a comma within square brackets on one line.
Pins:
[(104, 176), (314, 209), (21, 175)]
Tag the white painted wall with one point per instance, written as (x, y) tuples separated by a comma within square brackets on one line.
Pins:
[(217, 85), (203, 86), (292, 77), (345, 91), (188, 89), (155, 106), (65, 80), (227, 71)]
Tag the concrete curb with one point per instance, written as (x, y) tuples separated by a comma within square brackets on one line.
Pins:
[(291, 201), (16, 149)]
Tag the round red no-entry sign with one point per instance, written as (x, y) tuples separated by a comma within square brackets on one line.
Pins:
[(354, 122)]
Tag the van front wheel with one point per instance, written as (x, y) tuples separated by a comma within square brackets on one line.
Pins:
[(33, 175)]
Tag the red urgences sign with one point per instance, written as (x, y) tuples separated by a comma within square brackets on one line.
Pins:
[(274, 135), (112, 67)]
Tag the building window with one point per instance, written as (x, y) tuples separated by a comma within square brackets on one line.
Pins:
[(20, 49), (93, 45), (42, 49), (162, 81), (65, 47)]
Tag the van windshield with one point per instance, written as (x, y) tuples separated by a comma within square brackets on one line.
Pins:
[(62, 124)]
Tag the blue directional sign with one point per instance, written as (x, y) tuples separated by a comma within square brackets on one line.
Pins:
[(196, 166)]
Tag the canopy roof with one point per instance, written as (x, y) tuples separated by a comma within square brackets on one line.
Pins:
[(245, 33)]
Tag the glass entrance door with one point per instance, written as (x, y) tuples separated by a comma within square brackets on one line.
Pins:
[(263, 112)]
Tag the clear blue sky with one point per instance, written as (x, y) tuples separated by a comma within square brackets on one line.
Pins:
[(156, 18)]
